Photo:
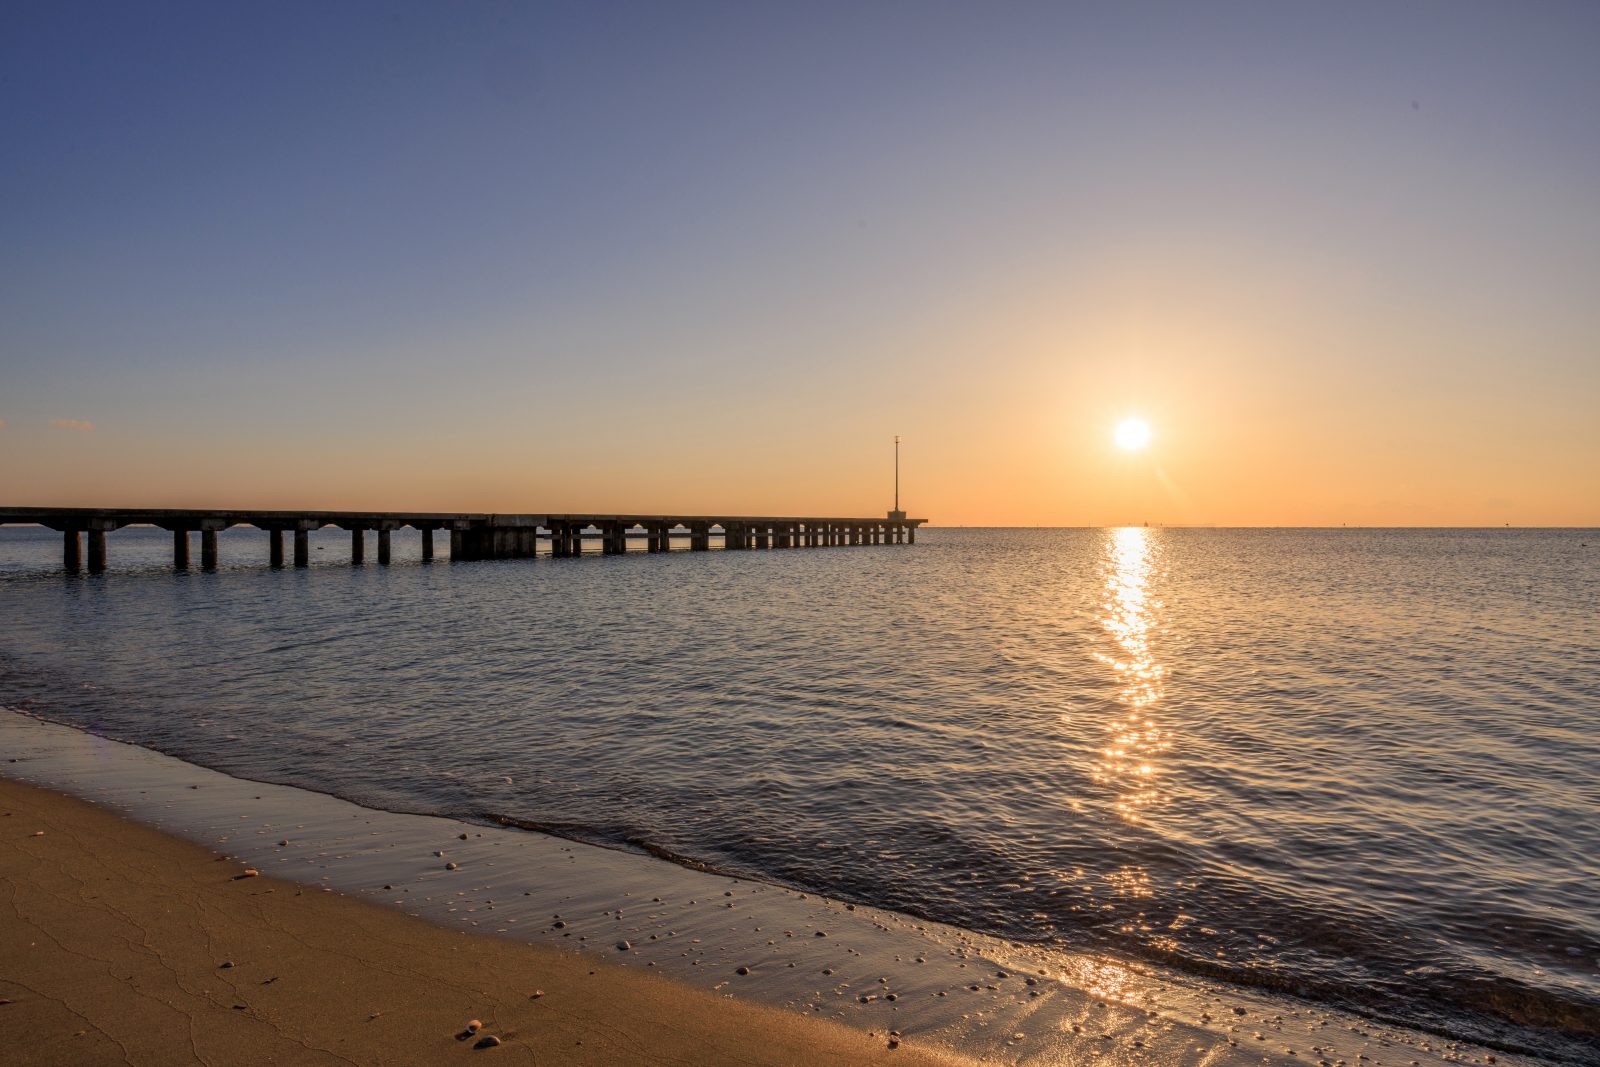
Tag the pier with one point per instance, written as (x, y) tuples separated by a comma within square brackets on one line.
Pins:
[(472, 536)]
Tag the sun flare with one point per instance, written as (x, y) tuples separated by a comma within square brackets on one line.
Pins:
[(1132, 434)]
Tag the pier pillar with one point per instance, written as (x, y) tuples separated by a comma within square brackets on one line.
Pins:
[(358, 546), (275, 548), (71, 549), (911, 535), (699, 537), (732, 536), (456, 544), (575, 547), (97, 550), (302, 548), (208, 550), (180, 550), (763, 538), (383, 546), (427, 544)]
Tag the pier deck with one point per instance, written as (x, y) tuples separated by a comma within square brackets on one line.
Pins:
[(473, 535)]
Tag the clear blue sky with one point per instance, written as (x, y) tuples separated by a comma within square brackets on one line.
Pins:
[(1344, 257)]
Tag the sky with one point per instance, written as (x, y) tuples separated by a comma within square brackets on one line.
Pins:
[(1344, 259)]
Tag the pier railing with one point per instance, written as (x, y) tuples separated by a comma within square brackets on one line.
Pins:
[(473, 535)]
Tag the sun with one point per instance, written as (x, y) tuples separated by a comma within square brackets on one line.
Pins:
[(1132, 434)]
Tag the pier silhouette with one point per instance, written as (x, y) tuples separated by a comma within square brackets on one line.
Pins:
[(473, 535)]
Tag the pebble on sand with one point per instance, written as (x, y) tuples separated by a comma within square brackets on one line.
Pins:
[(742, 970), (487, 1041), (451, 867), (623, 946)]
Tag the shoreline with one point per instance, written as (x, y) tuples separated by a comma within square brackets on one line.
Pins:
[(129, 945), (949, 991)]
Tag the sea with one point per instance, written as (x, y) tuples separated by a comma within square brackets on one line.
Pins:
[(1358, 767)]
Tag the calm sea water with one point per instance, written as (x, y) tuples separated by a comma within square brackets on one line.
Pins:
[(1361, 767)]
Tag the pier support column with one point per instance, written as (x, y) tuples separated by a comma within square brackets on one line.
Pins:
[(97, 550), (358, 546), (911, 535), (71, 549), (699, 537), (457, 544), (575, 547), (208, 550), (427, 544), (383, 546), (180, 550), (732, 536), (302, 548), (275, 548), (762, 537)]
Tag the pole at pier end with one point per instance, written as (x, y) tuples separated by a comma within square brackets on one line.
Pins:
[(897, 515)]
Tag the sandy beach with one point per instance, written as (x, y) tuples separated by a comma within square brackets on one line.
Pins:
[(372, 936), (124, 945)]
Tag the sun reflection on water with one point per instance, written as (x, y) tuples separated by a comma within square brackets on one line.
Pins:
[(1129, 762)]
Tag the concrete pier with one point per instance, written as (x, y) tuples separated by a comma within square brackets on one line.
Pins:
[(473, 536), (97, 551)]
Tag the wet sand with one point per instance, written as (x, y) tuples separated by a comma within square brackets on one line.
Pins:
[(417, 894), (121, 944)]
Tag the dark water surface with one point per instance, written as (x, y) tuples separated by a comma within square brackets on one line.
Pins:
[(1357, 766)]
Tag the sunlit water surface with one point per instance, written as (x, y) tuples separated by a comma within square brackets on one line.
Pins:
[(1357, 766)]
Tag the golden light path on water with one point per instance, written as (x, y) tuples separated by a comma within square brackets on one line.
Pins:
[(1130, 761)]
